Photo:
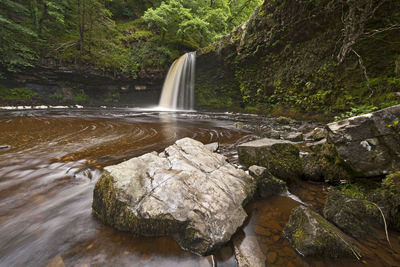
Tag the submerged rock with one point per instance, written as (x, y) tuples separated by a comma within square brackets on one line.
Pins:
[(248, 252), (368, 144), (310, 234), (280, 157), (353, 216), (267, 184), (186, 191)]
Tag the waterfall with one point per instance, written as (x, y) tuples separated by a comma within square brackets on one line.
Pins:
[(178, 89)]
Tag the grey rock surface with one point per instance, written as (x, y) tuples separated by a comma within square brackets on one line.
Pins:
[(369, 144), (310, 234), (213, 147), (248, 252), (187, 192)]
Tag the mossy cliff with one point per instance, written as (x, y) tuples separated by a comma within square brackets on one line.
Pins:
[(287, 57)]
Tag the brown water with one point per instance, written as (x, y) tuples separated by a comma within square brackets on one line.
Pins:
[(56, 156)]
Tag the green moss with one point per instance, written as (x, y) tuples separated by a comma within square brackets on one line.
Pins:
[(17, 93), (57, 97), (282, 160), (80, 97)]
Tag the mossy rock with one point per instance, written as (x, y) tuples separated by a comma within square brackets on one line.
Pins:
[(323, 164), (116, 213), (353, 216), (281, 158), (390, 192), (311, 235), (267, 184)]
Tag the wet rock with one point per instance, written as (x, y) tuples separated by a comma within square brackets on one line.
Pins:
[(368, 144), (323, 164), (294, 137), (213, 147), (272, 134), (319, 133), (272, 257), (248, 252), (310, 234), (56, 262), (207, 261), (186, 191), (283, 120), (353, 216), (267, 184), (280, 157)]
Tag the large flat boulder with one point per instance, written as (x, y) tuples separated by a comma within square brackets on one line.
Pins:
[(280, 157), (187, 192), (311, 235), (368, 144)]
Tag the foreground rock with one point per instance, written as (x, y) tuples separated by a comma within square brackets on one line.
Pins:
[(353, 216), (248, 252), (280, 157), (186, 191), (368, 144), (310, 234), (267, 184)]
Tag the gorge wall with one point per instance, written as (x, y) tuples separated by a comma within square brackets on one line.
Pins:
[(287, 57), (52, 82)]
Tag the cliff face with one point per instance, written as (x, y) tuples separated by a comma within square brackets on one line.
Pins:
[(56, 83), (287, 56)]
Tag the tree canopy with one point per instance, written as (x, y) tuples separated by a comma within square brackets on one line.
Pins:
[(118, 35)]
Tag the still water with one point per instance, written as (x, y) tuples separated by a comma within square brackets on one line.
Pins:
[(55, 157)]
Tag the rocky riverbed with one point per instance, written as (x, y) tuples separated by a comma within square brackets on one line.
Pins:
[(54, 158)]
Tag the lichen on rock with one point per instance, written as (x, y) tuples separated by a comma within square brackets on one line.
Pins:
[(187, 192), (267, 184), (353, 216), (310, 234), (281, 158)]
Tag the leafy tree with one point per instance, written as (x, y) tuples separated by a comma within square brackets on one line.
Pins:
[(15, 36)]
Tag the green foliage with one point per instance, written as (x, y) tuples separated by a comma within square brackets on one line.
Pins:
[(57, 97), (198, 21), (80, 97), (16, 37), (17, 93), (356, 111)]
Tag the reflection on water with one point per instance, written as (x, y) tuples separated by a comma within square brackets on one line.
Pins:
[(55, 158), (47, 179)]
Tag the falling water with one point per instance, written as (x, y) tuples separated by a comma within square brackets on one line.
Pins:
[(178, 89)]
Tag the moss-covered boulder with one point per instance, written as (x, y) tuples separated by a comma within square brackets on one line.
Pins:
[(323, 164), (187, 192), (280, 157), (267, 184), (311, 235), (390, 193), (353, 216)]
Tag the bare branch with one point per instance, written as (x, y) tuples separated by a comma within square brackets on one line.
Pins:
[(361, 62)]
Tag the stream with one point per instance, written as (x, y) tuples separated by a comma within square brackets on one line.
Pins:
[(52, 158)]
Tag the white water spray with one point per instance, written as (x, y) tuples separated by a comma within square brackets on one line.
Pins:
[(178, 89)]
